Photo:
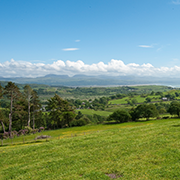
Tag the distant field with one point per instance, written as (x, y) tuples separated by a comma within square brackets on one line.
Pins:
[(144, 150), (138, 98), (91, 112)]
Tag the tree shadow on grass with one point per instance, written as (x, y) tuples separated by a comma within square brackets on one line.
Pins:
[(24, 144), (176, 125)]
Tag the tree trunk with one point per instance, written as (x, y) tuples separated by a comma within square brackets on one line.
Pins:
[(3, 126), (29, 120), (10, 117), (33, 119)]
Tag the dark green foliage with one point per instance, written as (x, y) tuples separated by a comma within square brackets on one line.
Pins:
[(148, 99), (79, 115), (79, 122), (120, 116), (61, 114), (98, 119), (13, 93), (144, 111), (174, 108)]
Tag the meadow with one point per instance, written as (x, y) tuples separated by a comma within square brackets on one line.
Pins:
[(91, 112), (134, 150)]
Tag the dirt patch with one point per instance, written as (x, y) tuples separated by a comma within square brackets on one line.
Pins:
[(113, 176)]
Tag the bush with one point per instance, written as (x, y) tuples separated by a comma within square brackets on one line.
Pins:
[(98, 119), (14, 133), (5, 135), (35, 131), (79, 122), (41, 129), (120, 116), (29, 129), (23, 132)]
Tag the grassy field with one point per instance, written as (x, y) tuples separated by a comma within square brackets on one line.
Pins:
[(142, 150), (91, 112), (138, 98)]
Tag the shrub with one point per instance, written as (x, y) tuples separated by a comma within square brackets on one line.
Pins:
[(120, 116), (79, 122), (22, 132), (41, 129), (14, 133), (29, 129), (35, 131), (5, 135), (98, 119)]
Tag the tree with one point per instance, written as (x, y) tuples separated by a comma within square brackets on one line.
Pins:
[(35, 105), (79, 115), (120, 116), (174, 108), (148, 99), (28, 95), (150, 111), (12, 92), (144, 111), (1, 114), (61, 113), (20, 113)]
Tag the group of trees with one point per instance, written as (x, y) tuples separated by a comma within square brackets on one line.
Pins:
[(145, 111), (21, 107), (24, 111), (141, 111)]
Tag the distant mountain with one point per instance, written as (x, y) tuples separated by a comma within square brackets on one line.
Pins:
[(84, 80), (57, 76)]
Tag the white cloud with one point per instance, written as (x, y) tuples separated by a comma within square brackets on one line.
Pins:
[(70, 49), (113, 68), (77, 40), (177, 2), (146, 46)]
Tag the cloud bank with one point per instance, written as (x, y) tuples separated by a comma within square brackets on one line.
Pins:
[(113, 68)]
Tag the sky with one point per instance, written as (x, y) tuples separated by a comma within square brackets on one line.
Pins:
[(91, 37)]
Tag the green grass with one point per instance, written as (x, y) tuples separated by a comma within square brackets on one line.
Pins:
[(138, 98), (142, 150), (91, 112)]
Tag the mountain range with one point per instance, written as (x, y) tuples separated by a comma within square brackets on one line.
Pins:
[(83, 80)]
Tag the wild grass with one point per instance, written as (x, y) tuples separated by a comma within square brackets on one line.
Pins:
[(91, 112), (142, 150)]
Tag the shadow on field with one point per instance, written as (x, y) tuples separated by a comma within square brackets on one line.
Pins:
[(23, 144), (111, 123), (177, 125)]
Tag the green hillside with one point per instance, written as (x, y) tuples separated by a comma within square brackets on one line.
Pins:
[(143, 150)]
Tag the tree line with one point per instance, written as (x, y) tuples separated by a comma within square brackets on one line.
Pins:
[(23, 112)]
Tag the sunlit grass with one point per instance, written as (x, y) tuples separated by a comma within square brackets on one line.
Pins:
[(143, 150), (91, 112)]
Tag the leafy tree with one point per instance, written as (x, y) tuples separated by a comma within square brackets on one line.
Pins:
[(144, 111), (28, 95), (152, 93), (120, 116), (134, 101), (79, 115), (148, 99), (61, 113), (12, 92), (150, 111), (174, 108)]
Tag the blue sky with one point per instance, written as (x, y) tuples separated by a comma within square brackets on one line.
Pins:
[(83, 34)]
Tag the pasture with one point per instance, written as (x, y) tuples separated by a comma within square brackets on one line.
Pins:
[(91, 112), (135, 150)]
